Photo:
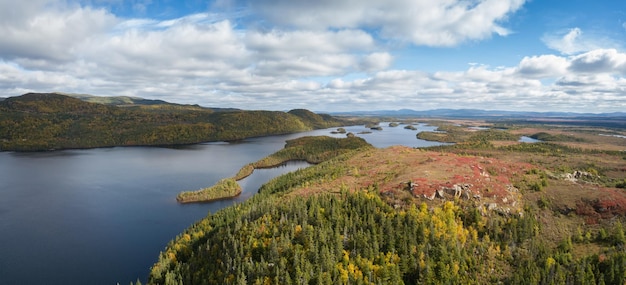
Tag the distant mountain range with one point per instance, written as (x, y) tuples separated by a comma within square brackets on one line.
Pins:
[(126, 101), (475, 113)]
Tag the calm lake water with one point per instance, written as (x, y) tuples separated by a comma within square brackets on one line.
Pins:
[(101, 216)]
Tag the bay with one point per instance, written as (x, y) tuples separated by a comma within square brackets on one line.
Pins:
[(101, 216)]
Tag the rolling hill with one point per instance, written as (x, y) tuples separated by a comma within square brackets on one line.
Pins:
[(45, 121)]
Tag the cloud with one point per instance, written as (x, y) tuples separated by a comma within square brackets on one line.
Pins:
[(198, 55), (281, 44), (141, 6), (569, 43), (376, 62), (44, 31), (182, 50), (543, 66), (213, 60), (422, 22), (574, 41), (581, 83), (315, 65), (306, 53), (599, 61)]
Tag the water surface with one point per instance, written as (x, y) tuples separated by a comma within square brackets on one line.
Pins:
[(526, 139), (101, 216)]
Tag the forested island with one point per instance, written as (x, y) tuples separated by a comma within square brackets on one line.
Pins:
[(486, 210), (47, 121)]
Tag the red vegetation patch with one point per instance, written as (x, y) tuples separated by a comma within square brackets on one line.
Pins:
[(395, 169), (488, 178), (611, 202)]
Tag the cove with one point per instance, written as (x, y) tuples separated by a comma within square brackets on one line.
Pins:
[(101, 216)]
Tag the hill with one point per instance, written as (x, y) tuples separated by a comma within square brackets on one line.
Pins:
[(115, 100), (478, 212), (137, 102), (44, 121), (313, 120)]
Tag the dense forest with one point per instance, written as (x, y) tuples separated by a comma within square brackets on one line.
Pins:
[(34, 122), (343, 234), (356, 238)]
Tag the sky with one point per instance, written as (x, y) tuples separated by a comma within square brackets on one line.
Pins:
[(323, 55)]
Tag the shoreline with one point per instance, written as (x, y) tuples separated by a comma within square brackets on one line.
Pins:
[(209, 200), (237, 177), (311, 149), (174, 145)]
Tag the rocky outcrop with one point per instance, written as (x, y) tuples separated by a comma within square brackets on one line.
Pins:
[(505, 203), (460, 191), (576, 175)]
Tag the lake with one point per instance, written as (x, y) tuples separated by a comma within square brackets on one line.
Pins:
[(101, 216)]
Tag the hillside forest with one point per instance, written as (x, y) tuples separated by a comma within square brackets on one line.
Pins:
[(46, 121), (486, 210)]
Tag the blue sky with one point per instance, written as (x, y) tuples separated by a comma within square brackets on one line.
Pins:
[(325, 55)]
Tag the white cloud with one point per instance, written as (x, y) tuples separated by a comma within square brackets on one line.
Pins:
[(422, 22), (36, 31), (141, 6), (569, 43), (376, 61), (280, 44), (207, 59), (543, 66), (599, 61), (574, 41), (182, 50), (315, 65), (522, 87), (307, 53)]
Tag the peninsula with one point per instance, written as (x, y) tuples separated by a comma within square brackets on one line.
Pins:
[(313, 150)]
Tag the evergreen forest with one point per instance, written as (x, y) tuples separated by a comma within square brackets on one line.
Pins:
[(314, 226)]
